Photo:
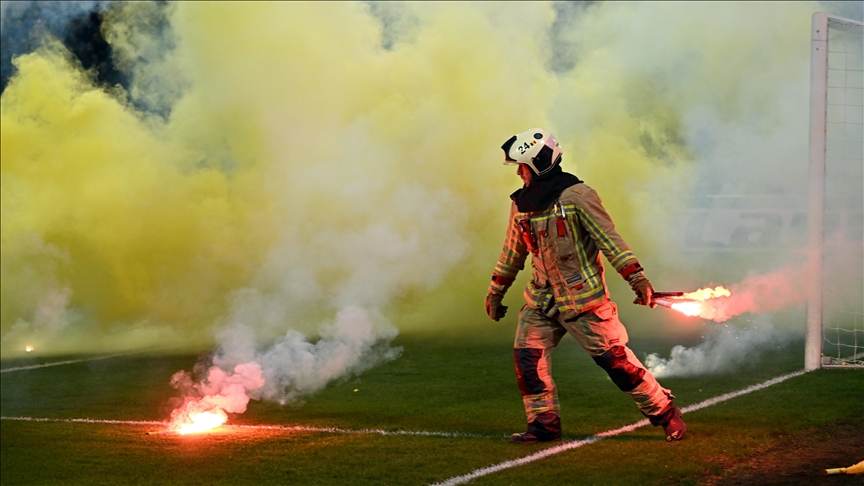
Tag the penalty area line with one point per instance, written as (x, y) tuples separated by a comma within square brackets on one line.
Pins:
[(58, 363), (609, 433), (85, 421), (335, 430), (286, 428)]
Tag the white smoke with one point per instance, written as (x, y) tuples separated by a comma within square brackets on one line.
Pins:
[(39, 289), (724, 348), (51, 314), (219, 393), (50, 317), (287, 370), (348, 268), (348, 154), (294, 367)]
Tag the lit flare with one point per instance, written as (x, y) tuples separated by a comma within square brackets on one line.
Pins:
[(688, 308), (706, 303), (197, 422), (708, 293)]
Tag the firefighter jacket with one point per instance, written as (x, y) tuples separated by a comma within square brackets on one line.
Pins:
[(565, 241)]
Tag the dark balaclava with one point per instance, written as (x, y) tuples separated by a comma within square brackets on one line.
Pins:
[(544, 190)]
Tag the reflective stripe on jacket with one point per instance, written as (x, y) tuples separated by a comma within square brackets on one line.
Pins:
[(566, 258)]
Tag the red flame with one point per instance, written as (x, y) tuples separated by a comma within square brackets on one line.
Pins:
[(708, 293), (701, 302), (688, 308), (206, 404), (200, 422)]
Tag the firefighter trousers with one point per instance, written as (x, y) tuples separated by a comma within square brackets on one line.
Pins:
[(602, 335)]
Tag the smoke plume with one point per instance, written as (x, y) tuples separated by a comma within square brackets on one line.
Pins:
[(287, 370), (756, 294), (723, 348), (288, 183), (726, 347), (217, 395)]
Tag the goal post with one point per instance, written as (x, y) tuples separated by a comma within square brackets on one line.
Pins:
[(835, 306)]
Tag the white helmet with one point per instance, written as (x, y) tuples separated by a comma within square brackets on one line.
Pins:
[(535, 147)]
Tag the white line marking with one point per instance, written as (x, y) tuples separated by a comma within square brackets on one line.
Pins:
[(289, 428), (84, 420), (333, 430), (58, 363), (609, 433), (458, 479), (749, 389)]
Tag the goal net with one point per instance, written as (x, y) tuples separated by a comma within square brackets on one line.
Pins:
[(835, 309)]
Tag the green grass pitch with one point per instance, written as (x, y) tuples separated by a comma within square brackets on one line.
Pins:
[(437, 385)]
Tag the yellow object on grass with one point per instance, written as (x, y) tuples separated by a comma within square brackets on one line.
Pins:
[(856, 469)]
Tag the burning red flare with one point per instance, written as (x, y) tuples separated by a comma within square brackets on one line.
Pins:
[(201, 422), (708, 293), (688, 308), (197, 416), (703, 303), (206, 404)]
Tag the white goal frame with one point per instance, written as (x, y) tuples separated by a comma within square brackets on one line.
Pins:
[(819, 84)]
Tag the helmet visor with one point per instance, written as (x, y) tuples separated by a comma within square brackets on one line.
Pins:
[(506, 147)]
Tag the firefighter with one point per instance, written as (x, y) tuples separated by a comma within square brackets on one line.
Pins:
[(561, 222)]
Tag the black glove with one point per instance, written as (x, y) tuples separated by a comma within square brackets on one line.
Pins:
[(493, 306)]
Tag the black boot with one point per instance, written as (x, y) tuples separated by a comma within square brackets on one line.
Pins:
[(546, 427)]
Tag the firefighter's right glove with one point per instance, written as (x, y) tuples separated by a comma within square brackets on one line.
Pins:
[(497, 288), (493, 306)]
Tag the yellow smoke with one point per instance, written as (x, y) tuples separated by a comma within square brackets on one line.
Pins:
[(288, 125), (145, 233)]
